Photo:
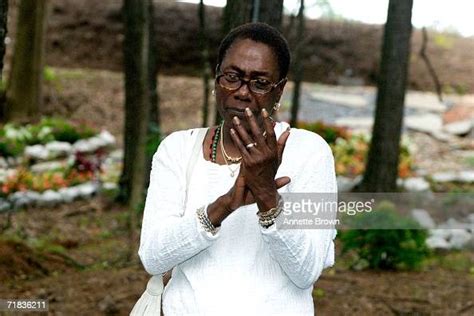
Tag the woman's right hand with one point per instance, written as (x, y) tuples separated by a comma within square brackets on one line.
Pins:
[(239, 195)]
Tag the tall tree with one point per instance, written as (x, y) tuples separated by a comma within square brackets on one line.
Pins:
[(137, 107), (270, 12), (382, 166), (24, 90), (206, 67), (237, 12), (298, 65), (3, 34), (154, 123)]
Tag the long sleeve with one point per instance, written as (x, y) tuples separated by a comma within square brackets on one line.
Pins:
[(304, 253), (168, 235)]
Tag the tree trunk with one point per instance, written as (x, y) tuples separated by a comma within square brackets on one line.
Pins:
[(298, 65), (206, 67), (137, 108), (271, 12), (24, 91), (382, 165), (3, 34), (237, 12), (154, 122)]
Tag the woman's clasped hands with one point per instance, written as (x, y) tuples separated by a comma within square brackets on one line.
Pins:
[(261, 156)]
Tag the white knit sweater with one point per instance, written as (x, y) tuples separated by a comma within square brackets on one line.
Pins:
[(244, 269)]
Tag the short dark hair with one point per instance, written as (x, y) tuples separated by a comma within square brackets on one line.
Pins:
[(261, 33)]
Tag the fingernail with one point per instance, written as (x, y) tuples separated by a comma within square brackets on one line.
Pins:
[(264, 113), (248, 112), (236, 120), (232, 131)]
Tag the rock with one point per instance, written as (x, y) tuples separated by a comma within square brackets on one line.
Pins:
[(113, 186), (460, 128), (50, 198), (416, 184), (46, 166), (33, 196), (116, 155), (466, 176), (355, 122), (59, 148), (442, 177), (82, 146), (69, 194), (3, 163), (458, 112), (4, 205), (345, 184), (442, 136), (424, 102), (470, 218), (459, 238), (87, 189), (107, 138), (440, 232), (436, 242), (96, 143), (427, 123), (37, 152), (345, 99), (423, 218), (21, 199)]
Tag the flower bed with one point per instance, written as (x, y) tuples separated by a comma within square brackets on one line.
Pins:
[(53, 161), (350, 150)]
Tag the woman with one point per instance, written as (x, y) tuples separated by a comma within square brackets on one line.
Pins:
[(214, 224)]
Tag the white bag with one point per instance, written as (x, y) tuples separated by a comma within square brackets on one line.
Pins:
[(149, 303)]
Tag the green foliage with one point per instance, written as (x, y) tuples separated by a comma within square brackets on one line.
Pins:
[(65, 131), (14, 138), (153, 139), (330, 133), (49, 74), (387, 249)]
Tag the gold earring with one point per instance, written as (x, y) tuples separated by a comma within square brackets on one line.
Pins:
[(276, 107)]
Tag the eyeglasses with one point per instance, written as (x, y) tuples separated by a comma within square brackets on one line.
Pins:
[(231, 81)]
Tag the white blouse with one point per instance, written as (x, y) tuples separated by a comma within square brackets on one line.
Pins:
[(244, 269)]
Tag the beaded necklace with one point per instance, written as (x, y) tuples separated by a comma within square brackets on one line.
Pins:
[(215, 142)]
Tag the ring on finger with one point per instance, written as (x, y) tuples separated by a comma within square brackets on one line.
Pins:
[(248, 146)]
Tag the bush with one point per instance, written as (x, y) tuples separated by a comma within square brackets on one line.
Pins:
[(350, 151), (14, 138), (397, 248), (330, 133)]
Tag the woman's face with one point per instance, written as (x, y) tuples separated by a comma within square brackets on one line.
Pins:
[(249, 60)]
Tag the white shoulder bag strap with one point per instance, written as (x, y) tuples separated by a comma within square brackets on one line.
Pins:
[(150, 301)]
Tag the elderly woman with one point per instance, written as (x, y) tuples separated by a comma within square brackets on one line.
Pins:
[(214, 195)]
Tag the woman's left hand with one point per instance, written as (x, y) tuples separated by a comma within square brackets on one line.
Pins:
[(260, 160)]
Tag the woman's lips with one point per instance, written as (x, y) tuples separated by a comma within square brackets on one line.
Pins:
[(236, 112)]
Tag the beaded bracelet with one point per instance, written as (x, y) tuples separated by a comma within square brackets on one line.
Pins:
[(267, 219), (205, 221)]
